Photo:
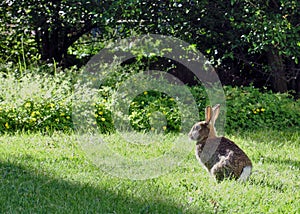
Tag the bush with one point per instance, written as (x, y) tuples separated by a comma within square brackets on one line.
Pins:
[(154, 111), (249, 108), (35, 101), (148, 102)]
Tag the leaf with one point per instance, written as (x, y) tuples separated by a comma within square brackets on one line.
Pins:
[(208, 51)]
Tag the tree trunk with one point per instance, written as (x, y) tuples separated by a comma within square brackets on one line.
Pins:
[(278, 72), (295, 79)]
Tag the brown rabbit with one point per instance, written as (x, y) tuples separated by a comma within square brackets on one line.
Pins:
[(219, 155)]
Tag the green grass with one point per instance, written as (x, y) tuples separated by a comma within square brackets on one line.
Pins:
[(40, 173)]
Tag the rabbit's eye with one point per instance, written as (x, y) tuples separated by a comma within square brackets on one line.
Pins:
[(197, 127)]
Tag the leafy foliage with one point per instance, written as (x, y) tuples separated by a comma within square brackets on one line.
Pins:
[(153, 106), (49, 28), (250, 109), (36, 101), (256, 39)]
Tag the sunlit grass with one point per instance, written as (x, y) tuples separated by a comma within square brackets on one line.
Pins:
[(40, 173)]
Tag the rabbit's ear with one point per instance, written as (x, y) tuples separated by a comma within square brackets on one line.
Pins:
[(208, 114), (216, 111)]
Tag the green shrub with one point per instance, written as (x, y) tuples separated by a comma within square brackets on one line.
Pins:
[(36, 101), (201, 99), (249, 108), (154, 111), (104, 118), (131, 101)]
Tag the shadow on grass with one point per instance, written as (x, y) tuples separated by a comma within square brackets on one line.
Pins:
[(25, 190)]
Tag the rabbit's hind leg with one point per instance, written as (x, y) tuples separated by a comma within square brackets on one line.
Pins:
[(221, 169)]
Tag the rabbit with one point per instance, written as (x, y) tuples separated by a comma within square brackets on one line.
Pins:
[(220, 156)]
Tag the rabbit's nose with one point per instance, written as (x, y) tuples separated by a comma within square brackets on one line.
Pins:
[(191, 136)]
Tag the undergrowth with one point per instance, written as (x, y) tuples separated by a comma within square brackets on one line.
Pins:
[(35, 101)]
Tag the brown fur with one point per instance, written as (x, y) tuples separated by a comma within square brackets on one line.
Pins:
[(222, 157), (219, 155)]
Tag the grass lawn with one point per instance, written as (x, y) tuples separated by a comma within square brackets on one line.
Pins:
[(51, 174)]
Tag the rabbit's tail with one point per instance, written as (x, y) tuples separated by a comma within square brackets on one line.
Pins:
[(245, 173)]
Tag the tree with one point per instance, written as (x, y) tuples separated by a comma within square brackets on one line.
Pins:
[(55, 25), (269, 35), (248, 41)]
